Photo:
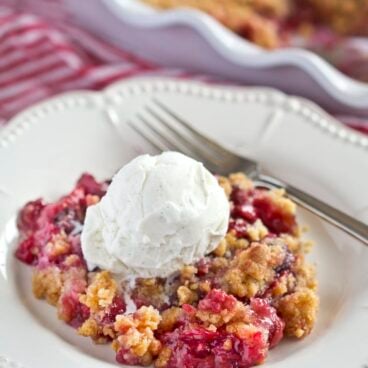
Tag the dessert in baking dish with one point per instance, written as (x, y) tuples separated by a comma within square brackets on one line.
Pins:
[(271, 23)]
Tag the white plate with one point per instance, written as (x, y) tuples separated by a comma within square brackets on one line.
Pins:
[(208, 47), (46, 148)]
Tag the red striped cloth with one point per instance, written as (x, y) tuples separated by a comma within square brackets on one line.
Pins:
[(44, 54), (38, 60)]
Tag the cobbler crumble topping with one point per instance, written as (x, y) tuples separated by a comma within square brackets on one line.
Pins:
[(274, 23), (226, 310)]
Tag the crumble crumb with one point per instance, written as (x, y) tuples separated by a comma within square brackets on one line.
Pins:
[(218, 309), (47, 284), (92, 199), (226, 185), (135, 333), (205, 286), (221, 248), (188, 272), (74, 285), (186, 296), (219, 263), (257, 231), (89, 327), (306, 275), (241, 329), (169, 318), (149, 291), (72, 260), (100, 292), (58, 246), (234, 242), (249, 271), (241, 181), (285, 284), (278, 198), (298, 310), (163, 358), (293, 243), (228, 345)]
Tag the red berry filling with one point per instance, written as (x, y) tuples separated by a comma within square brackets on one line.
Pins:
[(239, 225), (27, 251), (28, 216), (116, 307), (216, 301), (72, 311), (273, 217), (199, 347), (194, 344), (267, 318), (90, 186), (125, 356), (250, 205)]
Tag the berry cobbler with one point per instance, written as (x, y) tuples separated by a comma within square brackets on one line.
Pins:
[(243, 293)]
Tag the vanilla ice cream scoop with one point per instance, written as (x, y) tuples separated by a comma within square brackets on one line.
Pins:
[(159, 213)]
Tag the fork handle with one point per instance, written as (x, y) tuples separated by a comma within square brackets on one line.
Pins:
[(341, 220)]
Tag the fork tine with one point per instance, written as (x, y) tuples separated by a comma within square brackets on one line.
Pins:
[(159, 146), (207, 141), (169, 142), (201, 154)]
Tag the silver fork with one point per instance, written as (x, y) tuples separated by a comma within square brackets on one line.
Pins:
[(165, 130)]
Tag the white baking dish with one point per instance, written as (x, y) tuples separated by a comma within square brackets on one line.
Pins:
[(193, 40)]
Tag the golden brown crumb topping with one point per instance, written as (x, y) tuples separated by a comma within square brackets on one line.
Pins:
[(58, 246), (163, 358), (299, 311), (169, 318), (47, 284), (136, 333), (233, 243), (188, 272), (100, 292), (241, 181), (264, 21), (236, 313), (250, 271), (186, 296), (345, 17), (89, 327), (252, 19)]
